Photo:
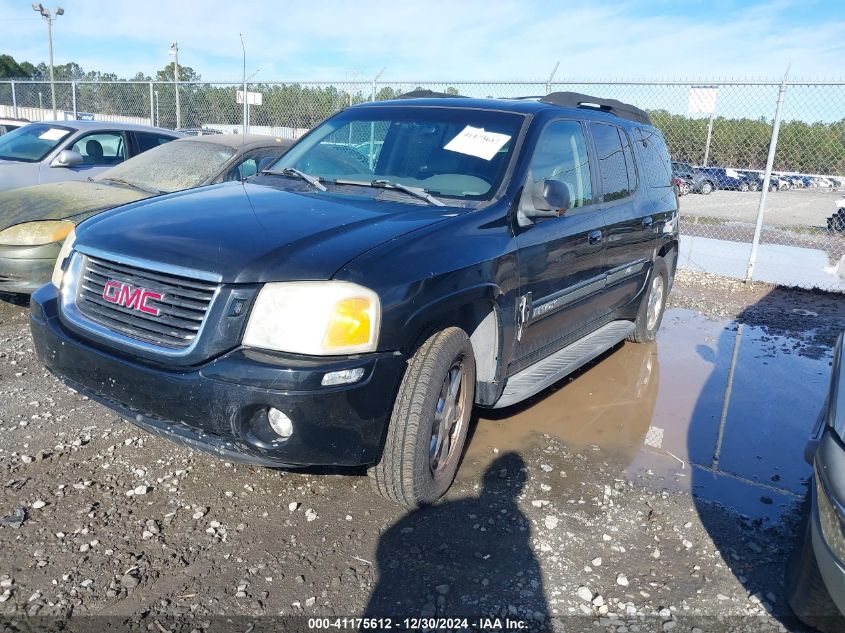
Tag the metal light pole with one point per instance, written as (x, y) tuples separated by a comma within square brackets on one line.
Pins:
[(174, 50), (47, 15)]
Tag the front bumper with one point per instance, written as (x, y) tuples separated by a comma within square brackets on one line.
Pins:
[(24, 269), (828, 499), (220, 406)]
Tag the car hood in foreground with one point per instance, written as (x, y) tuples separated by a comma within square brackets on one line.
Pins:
[(251, 233), (58, 201)]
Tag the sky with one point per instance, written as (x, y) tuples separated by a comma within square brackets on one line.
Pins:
[(499, 40)]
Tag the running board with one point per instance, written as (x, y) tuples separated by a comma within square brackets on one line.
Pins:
[(544, 373)]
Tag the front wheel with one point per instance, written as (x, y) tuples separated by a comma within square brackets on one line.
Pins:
[(429, 423), (706, 188), (652, 305), (743, 187)]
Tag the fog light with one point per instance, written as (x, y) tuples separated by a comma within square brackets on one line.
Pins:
[(342, 377), (280, 423)]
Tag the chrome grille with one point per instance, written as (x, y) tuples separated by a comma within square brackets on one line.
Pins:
[(182, 307)]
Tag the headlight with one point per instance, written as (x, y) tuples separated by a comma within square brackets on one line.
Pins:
[(315, 317), (36, 233), (58, 269)]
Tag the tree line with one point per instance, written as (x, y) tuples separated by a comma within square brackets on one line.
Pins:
[(743, 143)]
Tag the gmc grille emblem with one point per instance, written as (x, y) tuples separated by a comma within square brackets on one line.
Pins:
[(133, 298)]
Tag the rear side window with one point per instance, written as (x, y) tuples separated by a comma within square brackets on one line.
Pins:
[(146, 140), (657, 167), (616, 164), (561, 154)]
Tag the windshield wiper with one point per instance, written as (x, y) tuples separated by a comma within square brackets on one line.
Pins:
[(132, 185), (295, 173), (417, 192)]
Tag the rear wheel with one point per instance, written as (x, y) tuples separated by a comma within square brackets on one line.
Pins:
[(743, 187), (428, 426), (653, 304)]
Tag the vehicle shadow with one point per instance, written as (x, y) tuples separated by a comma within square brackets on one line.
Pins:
[(745, 447), (468, 557), (19, 300)]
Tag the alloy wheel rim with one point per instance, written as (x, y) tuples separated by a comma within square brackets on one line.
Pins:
[(448, 422), (655, 302)]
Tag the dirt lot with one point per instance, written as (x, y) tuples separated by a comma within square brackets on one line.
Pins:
[(633, 496)]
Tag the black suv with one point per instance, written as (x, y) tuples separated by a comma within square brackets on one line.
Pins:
[(402, 263)]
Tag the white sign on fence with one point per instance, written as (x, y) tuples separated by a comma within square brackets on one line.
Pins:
[(702, 99), (252, 98)]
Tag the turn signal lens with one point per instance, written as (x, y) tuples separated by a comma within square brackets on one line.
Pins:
[(350, 323)]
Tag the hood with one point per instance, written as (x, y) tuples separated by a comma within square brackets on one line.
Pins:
[(58, 201), (14, 173), (254, 232)]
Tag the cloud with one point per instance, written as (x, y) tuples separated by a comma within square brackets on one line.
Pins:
[(439, 40)]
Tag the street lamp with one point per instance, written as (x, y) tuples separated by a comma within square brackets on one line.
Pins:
[(50, 17), (174, 51)]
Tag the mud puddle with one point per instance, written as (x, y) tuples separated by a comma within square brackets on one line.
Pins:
[(714, 407)]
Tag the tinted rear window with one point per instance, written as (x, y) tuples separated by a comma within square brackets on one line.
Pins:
[(657, 167)]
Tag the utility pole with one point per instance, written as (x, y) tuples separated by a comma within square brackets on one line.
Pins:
[(47, 15), (174, 51)]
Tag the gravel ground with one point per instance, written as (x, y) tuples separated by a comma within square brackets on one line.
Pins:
[(127, 527)]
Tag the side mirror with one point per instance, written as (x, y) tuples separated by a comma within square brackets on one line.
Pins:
[(67, 158), (550, 198)]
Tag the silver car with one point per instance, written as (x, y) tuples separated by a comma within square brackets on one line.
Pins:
[(55, 151)]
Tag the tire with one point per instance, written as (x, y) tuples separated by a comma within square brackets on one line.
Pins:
[(773, 187), (652, 306), (805, 590), (743, 187), (411, 471), (754, 186), (706, 188), (684, 189)]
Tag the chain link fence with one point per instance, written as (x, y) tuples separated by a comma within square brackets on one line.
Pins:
[(719, 131)]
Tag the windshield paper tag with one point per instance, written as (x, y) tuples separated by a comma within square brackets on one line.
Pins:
[(53, 134), (474, 141)]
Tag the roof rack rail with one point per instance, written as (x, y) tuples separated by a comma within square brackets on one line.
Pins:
[(428, 94), (578, 100)]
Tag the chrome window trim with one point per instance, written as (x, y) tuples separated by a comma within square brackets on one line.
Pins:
[(70, 310)]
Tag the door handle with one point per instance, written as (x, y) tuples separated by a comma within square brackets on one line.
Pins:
[(647, 222), (594, 237)]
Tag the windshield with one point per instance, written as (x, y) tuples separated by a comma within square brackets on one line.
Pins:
[(450, 152), (173, 166), (32, 142)]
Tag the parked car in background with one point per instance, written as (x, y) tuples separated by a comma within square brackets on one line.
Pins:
[(58, 151), (815, 577), (699, 182), (35, 220), (7, 125), (352, 311), (726, 178), (754, 179)]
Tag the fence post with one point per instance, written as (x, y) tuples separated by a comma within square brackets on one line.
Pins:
[(14, 101), (152, 106), (767, 177), (73, 92)]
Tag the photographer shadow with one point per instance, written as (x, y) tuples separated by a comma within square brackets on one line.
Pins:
[(469, 557)]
